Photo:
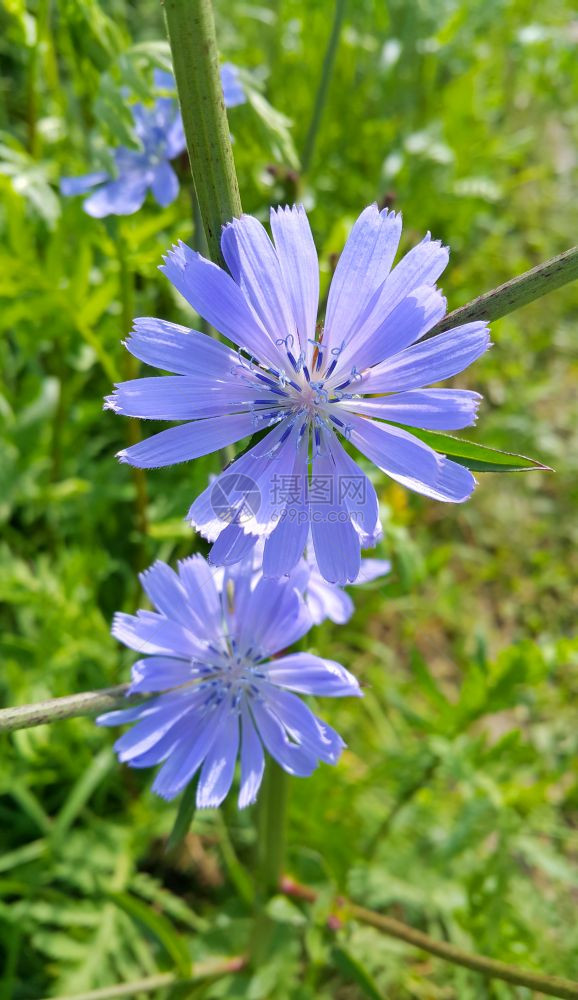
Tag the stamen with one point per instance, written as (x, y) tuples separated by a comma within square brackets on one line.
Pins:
[(285, 434), (317, 433), (331, 368), (292, 360), (265, 378)]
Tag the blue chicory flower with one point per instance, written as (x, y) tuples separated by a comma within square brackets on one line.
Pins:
[(159, 131), (360, 376), (209, 652)]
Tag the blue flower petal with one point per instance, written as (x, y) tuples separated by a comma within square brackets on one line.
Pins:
[(232, 545), (181, 444), (166, 592), (219, 300), (372, 569), (180, 350), (314, 736), (182, 397), (325, 600), (120, 197), (358, 494), (218, 768), (232, 88), (185, 761), (252, 759), (251, 259), (395, 451), (165, 184), (433, 409), (272, 618), (361, 270), (251, 468), (292, 758), (454, 484), (309, 674), (335, 540), (299, 269), (202, 585), (433, 360), (70, 186), (410, 320), (160, 673), (154, 634), (160, 718)]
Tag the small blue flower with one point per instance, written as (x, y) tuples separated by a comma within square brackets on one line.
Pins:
[(209, 649), (159, 131), (360, 377)]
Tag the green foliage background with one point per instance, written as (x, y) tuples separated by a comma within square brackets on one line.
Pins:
[(455, 806)]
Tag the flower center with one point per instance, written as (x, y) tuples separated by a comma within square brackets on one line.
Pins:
[(231, 674)]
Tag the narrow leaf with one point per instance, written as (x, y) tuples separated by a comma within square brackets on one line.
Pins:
[(81, 792), (478, 457), (184, 818), (159, 926), (351, 968)]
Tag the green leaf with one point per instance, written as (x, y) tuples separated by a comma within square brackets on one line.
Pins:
[(159, 926), (478, 457), (284, 911), (184, 818), (81, 792), (351, 968)]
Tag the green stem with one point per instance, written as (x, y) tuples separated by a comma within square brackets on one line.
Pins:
[(553, 986), (515, 293), (54, 709), (212, 969), (322, 90), (271, 843), (272, 839), (191, 31)]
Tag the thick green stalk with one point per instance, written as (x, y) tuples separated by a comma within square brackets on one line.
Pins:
[(271, 843), (272, 817), (191, 30), (86, 703), (553, 986), (323, 89), (515, 293)]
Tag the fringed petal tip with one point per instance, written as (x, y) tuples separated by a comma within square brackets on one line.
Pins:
[(123, 457), (111, 403), (164, 793), (284, 210), (176, 256)]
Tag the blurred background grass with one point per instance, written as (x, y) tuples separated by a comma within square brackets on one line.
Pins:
[(456, 804)]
